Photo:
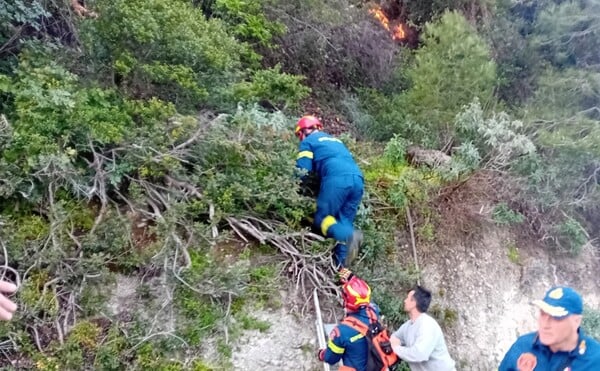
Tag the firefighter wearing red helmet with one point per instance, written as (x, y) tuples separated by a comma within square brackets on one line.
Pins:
[(341, 188), (345, 342)]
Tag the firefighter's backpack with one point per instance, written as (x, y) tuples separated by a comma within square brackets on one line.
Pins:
[(381, 356)]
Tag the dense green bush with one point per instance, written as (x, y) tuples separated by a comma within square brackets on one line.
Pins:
[(379, 117), (566, 33), (248, 20), (247, 165), (591, 322), (163, 48), (281, 90), (451, 68), (15, 17)]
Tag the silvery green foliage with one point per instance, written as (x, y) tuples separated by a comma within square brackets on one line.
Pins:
[(276, 120), (19, 12), (465, 159), (497, 138), (591, 322)]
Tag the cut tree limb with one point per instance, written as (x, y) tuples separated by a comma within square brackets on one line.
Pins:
[(428, 157)]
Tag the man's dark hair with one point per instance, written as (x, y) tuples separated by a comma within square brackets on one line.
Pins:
[(423, 298)]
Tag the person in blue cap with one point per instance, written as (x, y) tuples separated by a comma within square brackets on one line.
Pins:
[(340, 192), (559, 343)]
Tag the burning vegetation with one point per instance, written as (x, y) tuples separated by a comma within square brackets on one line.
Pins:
[(396, 29)]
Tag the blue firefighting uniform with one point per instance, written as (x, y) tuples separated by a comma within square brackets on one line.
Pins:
[(348, 344), (586, 356), (341, 188)]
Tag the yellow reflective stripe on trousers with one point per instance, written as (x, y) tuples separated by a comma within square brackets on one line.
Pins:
[(326, 223), (356, 337), (307, 154), (334, 348)]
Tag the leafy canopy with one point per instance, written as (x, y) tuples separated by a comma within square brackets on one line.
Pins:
[(164, 48), (451, 68)]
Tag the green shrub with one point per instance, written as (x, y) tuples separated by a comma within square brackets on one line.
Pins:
[(149, 356), (498, 138), (200, 316), (53, 114), (263, 285), (513, 254), (452, 67), (281, 90), (247, 161), (504, 215), (150, 43), (591, 323), (395, 150), (109, 355), (380, 117), (248, 20), (571, 235), (15, 16)]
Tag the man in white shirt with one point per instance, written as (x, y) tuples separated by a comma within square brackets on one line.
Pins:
[(420, 341)]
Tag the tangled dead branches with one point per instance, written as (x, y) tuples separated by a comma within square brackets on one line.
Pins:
[(309, 270)]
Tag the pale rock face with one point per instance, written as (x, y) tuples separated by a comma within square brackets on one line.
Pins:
[(491, 295), (289, 344)]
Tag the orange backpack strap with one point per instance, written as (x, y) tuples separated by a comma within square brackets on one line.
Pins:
[(372, 315), (359, 325), (356, 324)]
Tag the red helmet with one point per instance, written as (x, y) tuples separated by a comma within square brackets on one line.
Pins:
[(356, 293), (307, 122)]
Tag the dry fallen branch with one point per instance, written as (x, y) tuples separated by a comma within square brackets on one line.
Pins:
[(429, 157), (309, 270)]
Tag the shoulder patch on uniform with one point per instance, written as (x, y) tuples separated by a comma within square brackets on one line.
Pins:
[(526, 361), (334, 333)]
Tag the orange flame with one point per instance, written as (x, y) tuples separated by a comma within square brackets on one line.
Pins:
[(397, 31), (381, 17)]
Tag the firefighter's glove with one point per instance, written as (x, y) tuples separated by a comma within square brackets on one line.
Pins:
[(344, 275), (321, 355)]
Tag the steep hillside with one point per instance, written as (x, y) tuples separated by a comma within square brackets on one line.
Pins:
[(483, 277), (152, 215)]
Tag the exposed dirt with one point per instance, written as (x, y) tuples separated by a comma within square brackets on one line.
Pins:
[(333, 123), (490, 294), (289, 344), (485, 276)]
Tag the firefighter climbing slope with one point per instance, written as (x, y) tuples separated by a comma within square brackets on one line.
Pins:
[(341, 187)]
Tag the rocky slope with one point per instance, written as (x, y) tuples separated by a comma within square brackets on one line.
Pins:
[(483, 281)]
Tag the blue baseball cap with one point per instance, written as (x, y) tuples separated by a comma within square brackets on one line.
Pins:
[(560, 302)]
